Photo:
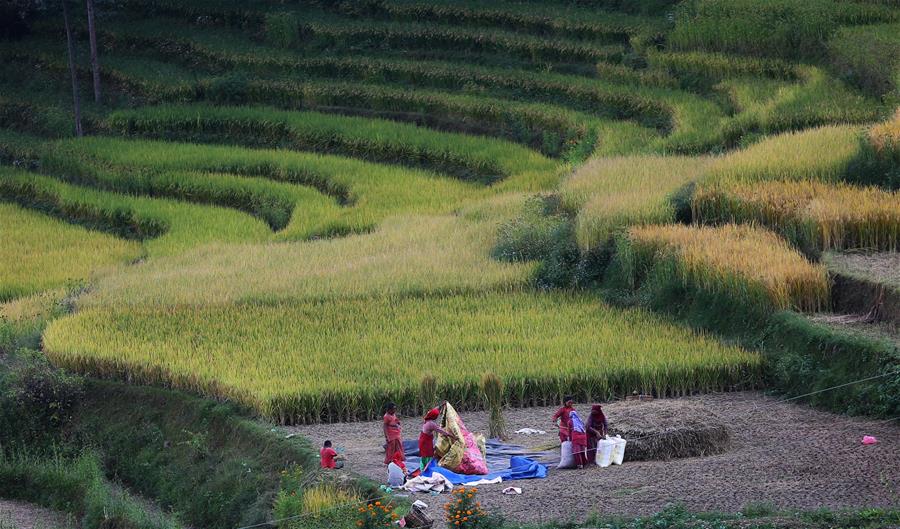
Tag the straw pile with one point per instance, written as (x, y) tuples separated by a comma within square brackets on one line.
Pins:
[(662, 430)]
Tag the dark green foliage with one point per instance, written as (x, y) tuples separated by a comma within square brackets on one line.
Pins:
[(875, 168), (541, 233), (283, 29), (869, 57), (807, 357), (792, 29), (36, 399), (195, 456)]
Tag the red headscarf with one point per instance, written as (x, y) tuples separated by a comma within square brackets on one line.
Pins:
[(432, 414)]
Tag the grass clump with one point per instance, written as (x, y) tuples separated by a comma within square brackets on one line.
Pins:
[(742, 263), (280, 358), (40, 253), (610, 194)]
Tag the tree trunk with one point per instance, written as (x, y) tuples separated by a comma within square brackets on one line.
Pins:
[(95, 62), (70, 44)]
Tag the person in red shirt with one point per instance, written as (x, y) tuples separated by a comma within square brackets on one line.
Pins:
[(562, 417), (393, 434), (426, 436), (328, 456)]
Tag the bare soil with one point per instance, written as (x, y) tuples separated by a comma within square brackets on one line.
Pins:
[(783, 454), (21, 515)]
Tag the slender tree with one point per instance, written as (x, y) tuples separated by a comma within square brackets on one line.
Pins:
[(70, 44), (95, 61)]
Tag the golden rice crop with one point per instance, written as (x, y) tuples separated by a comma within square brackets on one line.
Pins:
[(612, 193), (817, 216), (885, 137), (741, 261), (39, 252), (821, 154), (407, 255), (316, 361)]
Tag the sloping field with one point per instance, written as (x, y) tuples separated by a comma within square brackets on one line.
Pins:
[(318, 190)]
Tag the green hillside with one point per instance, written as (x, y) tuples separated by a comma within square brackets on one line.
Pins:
[(310, 208)]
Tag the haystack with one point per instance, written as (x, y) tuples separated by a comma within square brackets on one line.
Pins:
[(668, 429)]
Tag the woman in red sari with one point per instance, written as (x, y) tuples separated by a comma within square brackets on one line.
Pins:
[(596, 430), (578, 435), (426, 437), (393, 434)]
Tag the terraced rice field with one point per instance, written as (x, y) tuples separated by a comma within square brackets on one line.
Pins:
[(315, 191)]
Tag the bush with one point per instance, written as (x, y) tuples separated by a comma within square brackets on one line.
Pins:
[(36, 399), (282, 29), (540, 234), (869, 57)]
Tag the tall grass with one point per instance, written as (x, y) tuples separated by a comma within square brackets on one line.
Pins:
[(816, 216), (40, 253), (743, 263), (300, 362), (776, 28), (407, 256), (78, 487), (610, 194)]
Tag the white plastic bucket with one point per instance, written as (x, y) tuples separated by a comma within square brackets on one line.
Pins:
[(618, 452), (604, 452)]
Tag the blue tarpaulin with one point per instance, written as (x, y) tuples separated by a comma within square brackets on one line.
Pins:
[(503, 460), (519, 468)]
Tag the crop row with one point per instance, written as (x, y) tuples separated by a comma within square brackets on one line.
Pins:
[(208, 49), (165, 226), (745, 264), (407, 255), (279, 185), (305, 362), (484, 160), (39, 252)]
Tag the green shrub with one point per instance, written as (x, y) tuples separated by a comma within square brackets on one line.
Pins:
[(282, 29), (869, 57), (36, 399), (541, 234)]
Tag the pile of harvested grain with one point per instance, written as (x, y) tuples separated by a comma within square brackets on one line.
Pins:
[(661, 430)]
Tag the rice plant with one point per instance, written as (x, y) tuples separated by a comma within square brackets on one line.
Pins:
[(816, 216), (410, 255), (310, 361), (745, 263), (39, 252), (609, 194)]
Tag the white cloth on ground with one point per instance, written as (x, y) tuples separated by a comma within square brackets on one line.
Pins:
[(530, 431), (434, 483)]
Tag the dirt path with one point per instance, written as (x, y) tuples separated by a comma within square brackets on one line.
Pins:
[(784, 454), (21, 515)]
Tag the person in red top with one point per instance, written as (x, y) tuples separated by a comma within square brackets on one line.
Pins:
[(393, 434), (562, 417), (426, 437), (328, 456)]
